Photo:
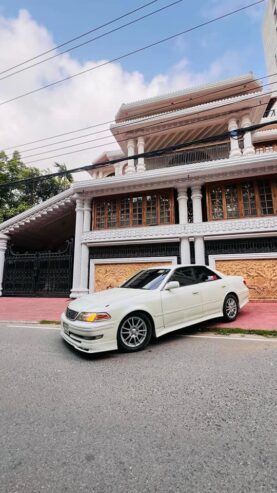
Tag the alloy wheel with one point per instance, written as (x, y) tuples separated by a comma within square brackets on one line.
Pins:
[(133, 331)]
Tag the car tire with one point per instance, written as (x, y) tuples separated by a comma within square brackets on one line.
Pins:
[(230, 308), (134, 332)]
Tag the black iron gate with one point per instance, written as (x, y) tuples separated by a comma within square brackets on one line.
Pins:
[(38, 273)]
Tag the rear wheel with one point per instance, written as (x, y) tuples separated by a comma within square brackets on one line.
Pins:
[(230, 308), (134, 332)]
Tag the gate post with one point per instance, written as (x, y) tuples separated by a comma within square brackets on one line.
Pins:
[(77, 246), (3, 247)]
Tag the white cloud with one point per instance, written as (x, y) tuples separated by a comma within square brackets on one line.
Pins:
[(216, 8), (81, 101)]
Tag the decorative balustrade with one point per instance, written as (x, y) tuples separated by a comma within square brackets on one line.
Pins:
[(189, 156)]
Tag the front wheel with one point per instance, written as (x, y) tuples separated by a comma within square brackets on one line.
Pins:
[(134, 332), (230, 308)]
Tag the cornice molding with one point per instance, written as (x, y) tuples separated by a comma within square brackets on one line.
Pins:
[(177, 231), (183, 175)]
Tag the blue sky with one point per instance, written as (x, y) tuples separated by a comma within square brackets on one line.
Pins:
[(221, 50), (240, 34)]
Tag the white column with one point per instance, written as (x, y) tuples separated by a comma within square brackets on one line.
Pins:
[(84, 248), (185, 251), (235, 150), (131, 151), (77, 247), (141, 163), (248, 147), (3, 247), (199, 249), (118, 169), (196, 196), (183, 205)]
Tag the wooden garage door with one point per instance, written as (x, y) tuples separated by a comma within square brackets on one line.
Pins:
[(260, 275), (112, 275)]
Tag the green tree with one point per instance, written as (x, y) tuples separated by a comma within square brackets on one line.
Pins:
[(14, 200)]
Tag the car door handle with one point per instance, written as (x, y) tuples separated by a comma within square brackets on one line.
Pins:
[(196, 292), (223, 287)]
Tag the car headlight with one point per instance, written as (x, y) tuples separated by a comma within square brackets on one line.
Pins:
[(93, 317)]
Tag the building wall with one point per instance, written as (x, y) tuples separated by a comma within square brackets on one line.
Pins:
[(270, 41), (255, 259)]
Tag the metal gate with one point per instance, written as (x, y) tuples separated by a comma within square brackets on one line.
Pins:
[(38, 273)]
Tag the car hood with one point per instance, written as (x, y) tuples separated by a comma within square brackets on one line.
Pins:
[(105, 299)]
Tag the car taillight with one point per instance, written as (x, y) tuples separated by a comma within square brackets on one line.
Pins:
[(244, 282)]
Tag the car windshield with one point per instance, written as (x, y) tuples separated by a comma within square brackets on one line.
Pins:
[(147, 279)]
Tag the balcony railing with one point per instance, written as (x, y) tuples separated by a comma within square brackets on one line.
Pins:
[(190, 156)]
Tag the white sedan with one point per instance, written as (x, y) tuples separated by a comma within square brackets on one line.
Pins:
[(152, 303)]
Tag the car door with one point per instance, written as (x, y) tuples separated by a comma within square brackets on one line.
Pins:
[(213, 289), (184, 304)]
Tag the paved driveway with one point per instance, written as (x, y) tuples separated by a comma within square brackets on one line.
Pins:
[(189, 414), (253, 316)]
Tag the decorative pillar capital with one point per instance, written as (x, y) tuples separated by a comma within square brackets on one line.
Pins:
[(234, 143), (248, 148), (245, 121), (232, 124), (182, 192), (87, 203), (196, 192), (141, 141), (131, 151), (3, 242), (131, 144)]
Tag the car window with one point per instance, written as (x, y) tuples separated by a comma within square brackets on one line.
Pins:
[(184, 275), (203, 274), (146, 279)]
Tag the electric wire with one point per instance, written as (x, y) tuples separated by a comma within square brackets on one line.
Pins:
[(154, 132), (138, 50), (160, 107), (94, 39), (153, 153), (101, 138), (80, 36)]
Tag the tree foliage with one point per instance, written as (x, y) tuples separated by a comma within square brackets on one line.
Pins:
[(16, 200)]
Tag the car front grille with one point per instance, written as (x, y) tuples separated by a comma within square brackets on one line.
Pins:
[(71, 314)]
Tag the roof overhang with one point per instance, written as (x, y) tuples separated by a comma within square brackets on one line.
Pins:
[(186, 98), (190, 124), (38, 219)]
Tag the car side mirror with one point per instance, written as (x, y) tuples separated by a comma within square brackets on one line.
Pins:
[(172, 285)]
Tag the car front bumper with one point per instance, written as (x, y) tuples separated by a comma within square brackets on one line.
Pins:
[(89, 337)]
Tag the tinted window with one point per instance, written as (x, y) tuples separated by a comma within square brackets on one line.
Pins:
[(203, 274), (146, 279), (184, 275)]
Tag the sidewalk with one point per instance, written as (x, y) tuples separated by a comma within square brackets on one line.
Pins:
[(32, 309), (260, 316)]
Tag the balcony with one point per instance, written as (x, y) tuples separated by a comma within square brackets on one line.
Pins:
[(189, 156)]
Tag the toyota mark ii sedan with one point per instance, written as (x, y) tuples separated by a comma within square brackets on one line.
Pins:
[(152, 303)]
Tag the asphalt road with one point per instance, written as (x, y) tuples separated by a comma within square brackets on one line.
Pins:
[(189, 414)]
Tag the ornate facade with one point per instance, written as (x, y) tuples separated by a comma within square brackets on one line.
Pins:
[(143, 210)]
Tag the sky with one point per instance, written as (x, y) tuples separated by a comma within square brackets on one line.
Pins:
[(224, 49)]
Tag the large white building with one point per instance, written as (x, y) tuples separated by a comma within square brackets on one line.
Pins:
[(270, 43), (211, 202)]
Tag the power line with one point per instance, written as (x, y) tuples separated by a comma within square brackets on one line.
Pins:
[(154, 132), (151, 117), (160, 107), (93, 39), (154, 153), (80, 36), (138, 50)]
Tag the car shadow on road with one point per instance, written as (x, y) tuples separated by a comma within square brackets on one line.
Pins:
[(171, 336)]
